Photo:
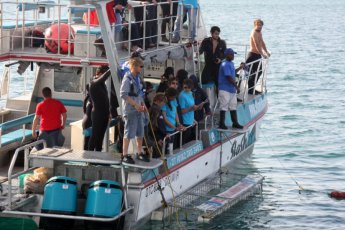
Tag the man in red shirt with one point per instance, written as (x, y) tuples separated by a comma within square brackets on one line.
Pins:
[(52, 116)]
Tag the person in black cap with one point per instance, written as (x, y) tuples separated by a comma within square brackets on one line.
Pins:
[(228, 89)]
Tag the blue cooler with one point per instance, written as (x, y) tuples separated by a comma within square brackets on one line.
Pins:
[(60, 195), (104, 199)]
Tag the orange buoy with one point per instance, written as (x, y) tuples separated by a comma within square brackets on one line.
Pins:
[(337, 195), (52, 36)]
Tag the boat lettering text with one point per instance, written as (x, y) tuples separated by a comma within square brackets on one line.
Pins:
[(153, 188)]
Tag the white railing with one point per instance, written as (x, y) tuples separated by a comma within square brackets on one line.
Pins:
[(29, 15), (167, 137)]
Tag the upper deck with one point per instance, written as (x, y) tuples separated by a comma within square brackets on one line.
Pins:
[(22, 25)]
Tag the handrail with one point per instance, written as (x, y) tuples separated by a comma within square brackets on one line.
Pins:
[(66, 9), (16, 122), (195, 123), (206, 121), (61, 216), (13, 161), (247, 74)]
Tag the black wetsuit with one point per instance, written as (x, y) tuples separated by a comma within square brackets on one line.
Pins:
[(87, 122), (210, 71), (100, 111)]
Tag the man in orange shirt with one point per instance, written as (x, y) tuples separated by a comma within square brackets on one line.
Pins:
[(52, 116), (257, 51)]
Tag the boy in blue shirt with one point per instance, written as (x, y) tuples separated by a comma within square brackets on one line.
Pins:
[(227, 89)]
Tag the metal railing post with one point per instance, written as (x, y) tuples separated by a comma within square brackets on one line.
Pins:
[(144, 29), (129, 32), (181, 138), (13, 161), (59, 29)]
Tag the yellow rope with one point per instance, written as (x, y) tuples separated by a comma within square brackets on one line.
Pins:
[(166, 170)]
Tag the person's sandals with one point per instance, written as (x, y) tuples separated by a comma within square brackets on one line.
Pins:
[(128, 159), (143, 157)]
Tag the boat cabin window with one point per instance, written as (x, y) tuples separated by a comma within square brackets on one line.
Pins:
[(67, 80)]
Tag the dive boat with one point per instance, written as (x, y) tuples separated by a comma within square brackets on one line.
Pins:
[(186, 178)]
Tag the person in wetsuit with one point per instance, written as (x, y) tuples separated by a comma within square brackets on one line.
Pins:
[(86, 122), (213, 47), (100, 112)]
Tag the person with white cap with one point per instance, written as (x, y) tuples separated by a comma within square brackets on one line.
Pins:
[(228, 89)]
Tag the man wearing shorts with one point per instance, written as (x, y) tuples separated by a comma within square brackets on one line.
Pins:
[(227, 89), (133, 106)]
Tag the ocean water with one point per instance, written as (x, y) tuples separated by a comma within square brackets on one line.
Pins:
[(301, 150)]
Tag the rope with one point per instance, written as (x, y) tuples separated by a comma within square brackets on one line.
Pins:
[(281, 163), (167, 172)]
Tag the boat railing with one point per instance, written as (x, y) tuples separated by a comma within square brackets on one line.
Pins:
[(12, 208), (19, 134), (167, 137), (26, 149), (209, 118), (256, 72), (17, 29)]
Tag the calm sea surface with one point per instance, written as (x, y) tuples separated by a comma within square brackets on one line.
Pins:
[(302, 137)]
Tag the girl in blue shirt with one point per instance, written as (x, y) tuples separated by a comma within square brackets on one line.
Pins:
[(169, 110), (188, 107)]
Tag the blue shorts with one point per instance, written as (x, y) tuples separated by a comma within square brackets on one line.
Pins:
[(134, 125)]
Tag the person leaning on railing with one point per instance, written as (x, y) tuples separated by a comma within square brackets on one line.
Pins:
[(257, 51)]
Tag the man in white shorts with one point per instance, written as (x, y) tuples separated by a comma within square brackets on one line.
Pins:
[(227, 89)]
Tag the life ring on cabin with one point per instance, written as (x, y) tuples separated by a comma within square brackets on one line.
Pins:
[(52, 36), (337, 195)]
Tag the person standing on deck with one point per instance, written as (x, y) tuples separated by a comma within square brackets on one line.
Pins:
[(257, 51), (213, 48), (133, 106), (87, 122), (52, 116), (101, 111), (227, 89), (190, 6)]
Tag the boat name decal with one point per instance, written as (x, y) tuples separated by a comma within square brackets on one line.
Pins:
[(153, 188), (238, 147)]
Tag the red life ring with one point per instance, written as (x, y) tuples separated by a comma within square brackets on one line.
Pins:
[(337, 195), (52, 37)]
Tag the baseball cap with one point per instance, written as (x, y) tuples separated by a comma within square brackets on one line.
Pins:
[(229, 51)]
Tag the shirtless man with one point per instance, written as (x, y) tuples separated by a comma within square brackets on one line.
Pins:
[(257, 51)]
